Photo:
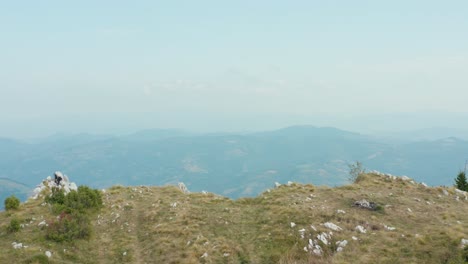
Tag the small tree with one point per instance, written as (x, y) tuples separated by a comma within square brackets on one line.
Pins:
[(355, 169), (12, 203), (14, 225), (460, 181)]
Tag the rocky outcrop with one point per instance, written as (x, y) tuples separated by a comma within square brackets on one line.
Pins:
[(50, 183), (365, 204)]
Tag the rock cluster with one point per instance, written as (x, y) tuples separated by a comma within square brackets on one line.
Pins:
[(365, 204), (49, 183), (183, 188)]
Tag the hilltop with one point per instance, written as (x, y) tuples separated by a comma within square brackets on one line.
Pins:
[(292, 223)]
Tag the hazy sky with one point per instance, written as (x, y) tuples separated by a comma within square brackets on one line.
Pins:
[(96, 58)]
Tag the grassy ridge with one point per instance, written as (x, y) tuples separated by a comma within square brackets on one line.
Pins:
[(163, 225)]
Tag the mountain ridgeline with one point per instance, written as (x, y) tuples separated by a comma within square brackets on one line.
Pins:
[(234, 165)]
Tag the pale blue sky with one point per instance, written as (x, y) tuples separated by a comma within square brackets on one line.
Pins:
[(242, 58)]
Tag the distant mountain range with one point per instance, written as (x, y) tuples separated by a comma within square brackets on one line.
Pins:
[(229, 164)]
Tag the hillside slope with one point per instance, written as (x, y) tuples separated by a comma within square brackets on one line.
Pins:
[(411, 224)]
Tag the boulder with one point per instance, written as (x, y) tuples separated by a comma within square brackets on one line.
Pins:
[(365, 204)]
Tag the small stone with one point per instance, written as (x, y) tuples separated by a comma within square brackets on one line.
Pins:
[(332, 226), (48, 254), (361, 229)]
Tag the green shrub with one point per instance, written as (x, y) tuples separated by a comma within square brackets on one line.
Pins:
[(465, 254), (14, 226), (73, 222), (38, 259), (81, 200), (460, 181), (12, 203), (56, 197), (69, 227), (84, 198)]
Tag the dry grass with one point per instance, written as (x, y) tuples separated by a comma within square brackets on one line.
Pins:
[(163, 225)]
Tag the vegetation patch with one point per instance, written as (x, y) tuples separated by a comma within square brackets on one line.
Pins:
[(12, 203), (74, 208)]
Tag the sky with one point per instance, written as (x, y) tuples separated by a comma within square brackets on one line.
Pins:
[(111, 66)]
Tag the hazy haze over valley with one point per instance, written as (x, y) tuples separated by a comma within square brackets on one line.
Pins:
[(80, 81)]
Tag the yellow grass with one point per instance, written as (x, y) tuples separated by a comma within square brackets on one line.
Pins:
[(163, 225)]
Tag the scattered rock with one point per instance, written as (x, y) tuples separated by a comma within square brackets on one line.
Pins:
[(17, 245), (48, 254), (205, 255), (365, 204), (302, 233), (341, 245), (332, 226), (183, 188), (49, 183), (340, 211), (277, 184), (464, 242), (316, 249), (354, 238), (293, 224), (405, 178), (361, 229), (323, 237), (445, 192)]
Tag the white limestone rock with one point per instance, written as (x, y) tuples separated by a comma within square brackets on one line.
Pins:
[(332, 226), (183, 188), (361, 229), (323, 237), (464, 242), (341, 245), (17, 245), (48, 254), (49, 183), (405, 178)]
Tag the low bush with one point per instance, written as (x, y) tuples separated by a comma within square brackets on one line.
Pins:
[(38, 259), (14, 226), (12, 203), (69, 227), (73, 222)]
